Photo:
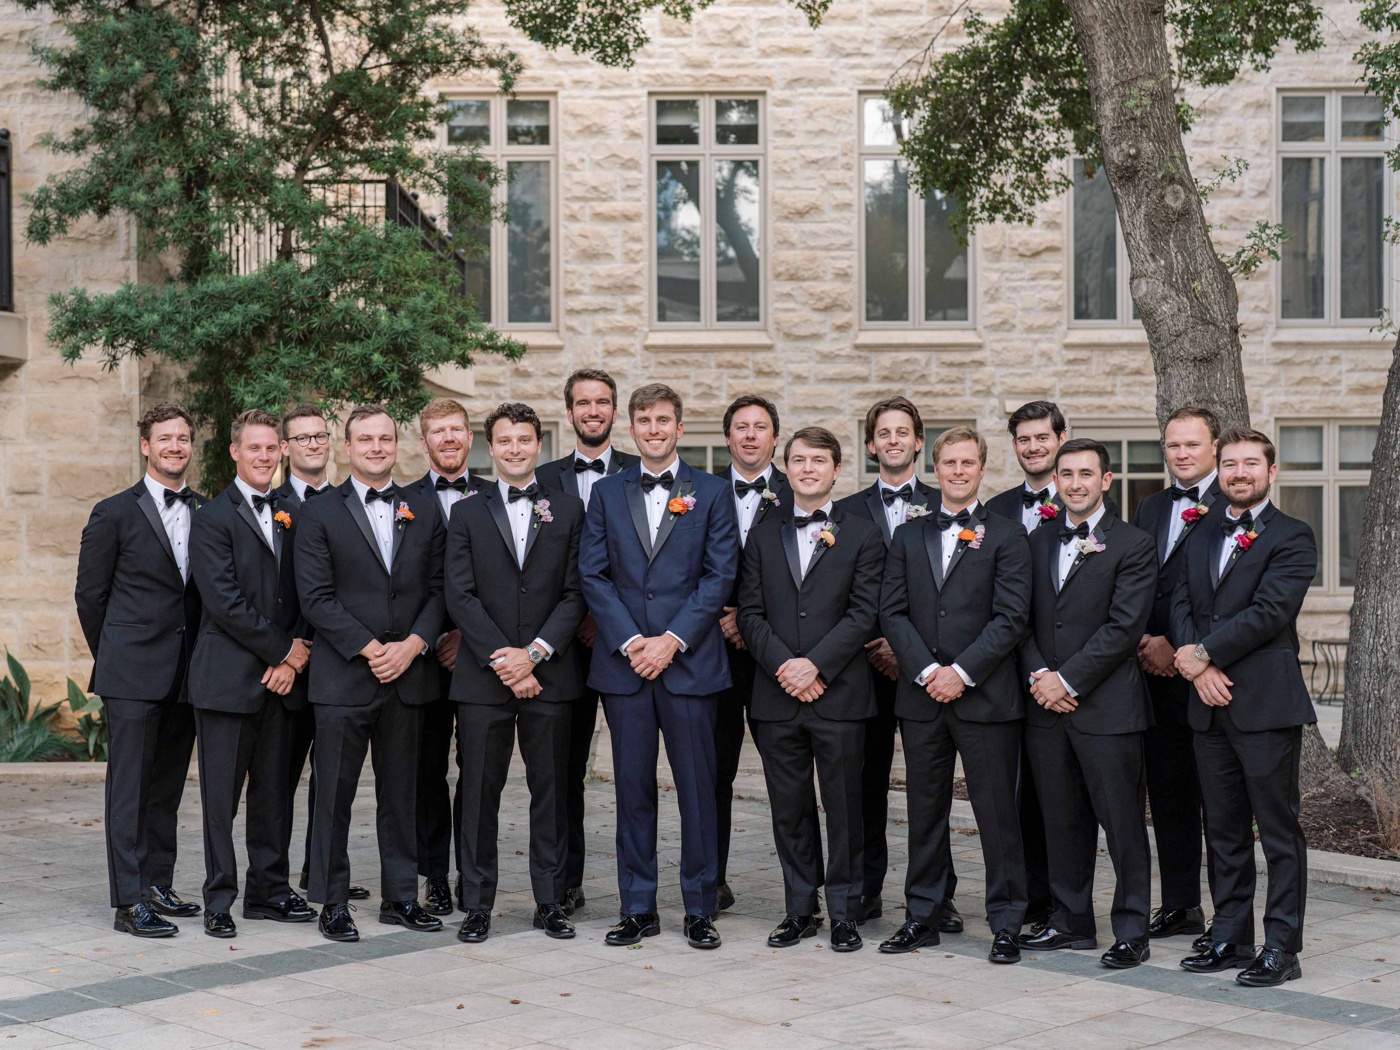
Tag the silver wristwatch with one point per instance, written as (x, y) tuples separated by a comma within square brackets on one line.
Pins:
[(1201, 653), (535, 655)]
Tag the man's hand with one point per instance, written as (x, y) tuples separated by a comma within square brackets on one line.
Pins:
[(279, 679), (1157, 656), (587, 631), (396, 658), (300, 654), (812, 691), (729, 627), (1213, 687), (945, 685), (651, 656), (527, 687), (1050, 693), (512, 665), (1188, 663), (797, 675), (882, 656), (373, 650), (447, 649)]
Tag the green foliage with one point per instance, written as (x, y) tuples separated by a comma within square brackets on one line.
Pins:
[(1380, 59), (30, 734), (1261, 244), (91, 730), (1216, 40)]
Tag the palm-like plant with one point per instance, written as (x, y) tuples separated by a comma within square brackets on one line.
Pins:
[(35, 735)]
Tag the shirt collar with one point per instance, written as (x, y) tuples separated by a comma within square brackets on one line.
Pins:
[(1094, 518), (675, 464), (361, 488), (504, 488), (826, 508), (605, 456), (433, 476), (913, 484), (158, 491), (766, 474), (971, 508), (1050, 490), (248, 491), (299, 487), (1254, 511), (1202, 486)]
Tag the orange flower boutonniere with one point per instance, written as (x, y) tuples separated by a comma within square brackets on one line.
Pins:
[(283, 518), (682, 504), (827, 538), (403, 514)]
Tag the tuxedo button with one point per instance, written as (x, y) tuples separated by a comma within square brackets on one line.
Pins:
[(1059, 624), (649, 596), (942, 612), (1215, 617), (522, 590), (802, 615), (1160, 596), (393, 595)]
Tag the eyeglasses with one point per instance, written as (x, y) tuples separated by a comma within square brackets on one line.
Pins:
[(306, 440)]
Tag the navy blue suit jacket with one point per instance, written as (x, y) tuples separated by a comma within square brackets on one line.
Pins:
[(679, 584)]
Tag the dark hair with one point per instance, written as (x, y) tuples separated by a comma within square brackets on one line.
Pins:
[(164, 413), (1242, 435), (1205, 415), (512, 412), (898, 403), (253, 417), (751, 401), (1033, 410), (1082, 445), (817, 437), (360, 412), (305, 410), (646, 396), (587, 375)]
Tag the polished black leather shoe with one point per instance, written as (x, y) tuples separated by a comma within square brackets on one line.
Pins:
[(1124, 955), (792, 929), (910, 937), (1205, 940), (409, 914), (476, 927), (700, 932), (630, 929), (293, 909), (870, 908), (724, 897), (574, 900), (1219, 957), (1049, 939), (437, 900), (140, 920), (166, 901), (1273, 966), (1004, 949), (336, 925), (358, 893), (219, 924), (845, 937), (1176, 921), (949, 921), (555, 923)]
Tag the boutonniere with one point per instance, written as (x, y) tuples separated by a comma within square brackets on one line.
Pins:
[(283, 518), (916, 511), (541, 509), (403, 514), (1047, 509), (1191, 515), (681, 504), (973, 537), (827, 537), (1243, 542), (769, 498), (1088, 545)]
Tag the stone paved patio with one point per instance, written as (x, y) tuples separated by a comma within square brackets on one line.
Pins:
[(67, 979)]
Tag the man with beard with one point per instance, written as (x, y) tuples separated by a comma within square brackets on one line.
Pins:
[(139, 610), (590, 399), (445, 431)]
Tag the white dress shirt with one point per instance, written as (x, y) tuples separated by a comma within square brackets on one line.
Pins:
[(299, 487), (447, 497), (265, 515), (521, 515), (896, 512), (176, 519), (1176, 525), (950, 544), (1030, 516), (809, 536), (1068, 553), (655, 502), (381, 520), (584, 479), (747, 508), (1227, 549)]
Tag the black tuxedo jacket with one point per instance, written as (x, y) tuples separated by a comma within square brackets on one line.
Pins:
[(139, 618), (974, 616), (558, 474), (1088, 630), (1008, 504), (826, 616), (350, 599), (496, 603), (779, 507), (868, 504), (1248, 619), (251, 615)]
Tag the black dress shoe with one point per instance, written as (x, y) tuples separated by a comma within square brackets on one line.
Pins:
[(1219, 957), (630, 929), (293, 909), (1177, 921), (336, 925), (219, 924), (573, 900), (409, 914), (870, 908), (792, 929), (476, 927), (1274, 966), (1124, 955), (166, 901), (949, 921), (1205, 940), (1049, 939), (438, 898), (724, 897), (909, 937), (358, 893), (555, 923), (700, 932), (845, 937), (140, 920), (1004, 949)]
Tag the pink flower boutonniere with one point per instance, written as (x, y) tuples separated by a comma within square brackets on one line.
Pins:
[(916, 511), (1191, 515), (283, 519), (1243, 542), (681, 504), (1047, 510), (770, 498), (541, 509), (1089, 545), (973, 537), (403, 514)]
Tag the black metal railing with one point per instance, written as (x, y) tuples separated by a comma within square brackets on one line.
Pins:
[(7, 235)]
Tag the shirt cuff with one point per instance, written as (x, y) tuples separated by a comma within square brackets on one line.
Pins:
[(927, 673), (967, 680), (684, 647), (1068, 688), (623, 647), (544, 647), (289, 652)]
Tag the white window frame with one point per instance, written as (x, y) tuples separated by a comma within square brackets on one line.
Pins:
[(1332, 149), (1331, 478), (500, 155), (709, 434), (705, 154), (1123, 293), (870, 466)]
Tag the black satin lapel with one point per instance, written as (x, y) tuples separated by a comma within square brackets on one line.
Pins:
[(636, 503), (1216, 545), (959, 549), (1080, 559), (278, 540), (668, 520), (1164, 532), (356, 507), (794, 560), (1259, 527), (933, 543), (502, 520), (531, 535), (877, 511), (148, 508), (246, 513)]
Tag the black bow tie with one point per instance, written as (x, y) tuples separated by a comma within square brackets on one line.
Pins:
[(1080, 532), (185, 496), (386, 494), (743, 488), (259, 502), (442, 483), (947, 521), (1180, 493), (802, 522), (529, 492), (1030, 497), (583, 465), (904, 492), (1245, 521), (650, 481), (313, 491)]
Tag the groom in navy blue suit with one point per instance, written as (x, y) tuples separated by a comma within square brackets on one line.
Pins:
[(658, 557)]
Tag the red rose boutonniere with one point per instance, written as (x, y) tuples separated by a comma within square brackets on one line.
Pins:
[(283, 518), (1047, 510), (1243, 542), (1191, 515)]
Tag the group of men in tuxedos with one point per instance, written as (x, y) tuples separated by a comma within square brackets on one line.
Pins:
[(1077, 664)]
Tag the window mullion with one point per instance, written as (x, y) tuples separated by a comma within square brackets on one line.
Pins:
[(916, 259)]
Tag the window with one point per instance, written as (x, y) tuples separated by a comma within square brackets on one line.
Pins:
[(1098, 256), (1332, 201), (705, 449), (1324, 471), (479, 458), (870, 466), (914, 270), (707, 244), (1135, 457), (514, 279)]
